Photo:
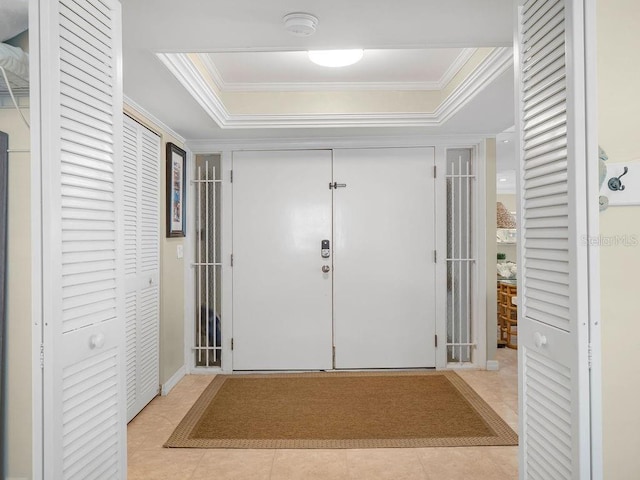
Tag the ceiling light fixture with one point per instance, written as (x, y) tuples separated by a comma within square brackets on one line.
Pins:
[(502, 179), (335, 58), (300, 24), (505, 141)]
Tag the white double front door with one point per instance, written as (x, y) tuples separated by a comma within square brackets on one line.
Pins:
[(369, 297)]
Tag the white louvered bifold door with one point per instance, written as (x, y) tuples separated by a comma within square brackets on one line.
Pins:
[(553, 323), (141, 149), (84, 403)]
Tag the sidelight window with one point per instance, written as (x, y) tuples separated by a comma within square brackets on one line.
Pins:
[(207, 267), (460, 178)]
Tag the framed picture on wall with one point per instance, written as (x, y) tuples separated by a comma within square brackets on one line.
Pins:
[(176, 191)]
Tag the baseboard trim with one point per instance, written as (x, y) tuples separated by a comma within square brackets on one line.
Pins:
[(493, 365), (173, 381)]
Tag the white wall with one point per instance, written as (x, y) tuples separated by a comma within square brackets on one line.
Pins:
[(17, 443), (619, 127)]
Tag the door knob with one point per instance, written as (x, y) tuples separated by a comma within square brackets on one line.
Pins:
[(326, 268), (96, 341), (539, 339)]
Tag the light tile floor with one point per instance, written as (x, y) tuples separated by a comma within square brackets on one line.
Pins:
[(150, 429)]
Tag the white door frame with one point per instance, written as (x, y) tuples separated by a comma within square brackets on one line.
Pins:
[(226, 236), (225, 149), (593, 214), (37, 434), (479, 226)]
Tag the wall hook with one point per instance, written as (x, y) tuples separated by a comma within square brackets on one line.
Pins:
[(615, 183)]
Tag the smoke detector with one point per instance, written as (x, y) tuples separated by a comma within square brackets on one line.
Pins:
[(300, 24)]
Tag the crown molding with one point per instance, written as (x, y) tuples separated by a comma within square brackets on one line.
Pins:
[(191, 79), (304, 143), (224, 86), (212, 70), (455, 67), (332, 120), (152, 118), (497, 62), (182, 67), (329, 86)]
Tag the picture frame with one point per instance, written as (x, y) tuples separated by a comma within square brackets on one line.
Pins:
[(176, 191)]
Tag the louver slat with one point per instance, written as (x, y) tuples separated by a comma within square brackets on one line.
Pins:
[(90, 391), (80, 198), (130, 199), (545, 142), (548, 416), (150, 248), (131, 312), (537, 33), (148, 347)]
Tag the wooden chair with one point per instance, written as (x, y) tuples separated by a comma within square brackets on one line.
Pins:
[(508, 315), (502, 340)]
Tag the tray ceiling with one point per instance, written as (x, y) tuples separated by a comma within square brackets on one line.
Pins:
[(418, 45), (393, 69), (294, 104)]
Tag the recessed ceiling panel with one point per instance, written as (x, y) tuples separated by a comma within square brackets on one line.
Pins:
[(426, 69)]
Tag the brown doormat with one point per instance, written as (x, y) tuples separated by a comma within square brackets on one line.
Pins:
[(340, 410)]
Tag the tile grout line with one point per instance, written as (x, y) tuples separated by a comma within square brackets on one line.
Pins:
[(195, 466), (424, 469), (273, 461)]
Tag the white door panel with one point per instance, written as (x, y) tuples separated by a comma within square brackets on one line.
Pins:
[(83, 309), (141, 155), (553, 320), (281, 297), (384, 290)]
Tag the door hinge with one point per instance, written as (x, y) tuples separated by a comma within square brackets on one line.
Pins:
[(435, 174), (590, 355), (337, 185), (333, 357), (232, 344), (42, 355), (436, 341), (435, 256), (232, 259), (231, 175)]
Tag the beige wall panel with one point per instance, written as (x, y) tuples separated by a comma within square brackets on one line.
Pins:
[(619, 124), (19, 347)]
